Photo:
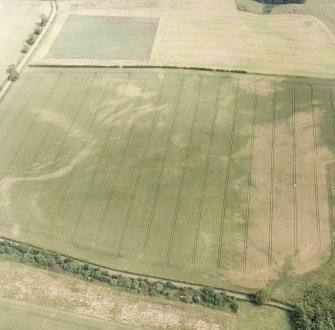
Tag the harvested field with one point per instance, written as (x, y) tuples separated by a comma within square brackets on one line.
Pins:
[(198, 34), (186, 175), (17, 21)]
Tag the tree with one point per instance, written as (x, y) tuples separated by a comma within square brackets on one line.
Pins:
[(38, 30), (13, 74), (261, 297), (25, 49), (31, 39), (44, 20), (234, 307)]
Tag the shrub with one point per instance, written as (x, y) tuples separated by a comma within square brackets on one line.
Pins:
[(234, 307), (44, 20), (38, 30), (31, 39), (261, 297)]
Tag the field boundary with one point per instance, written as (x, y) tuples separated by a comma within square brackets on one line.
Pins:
[(192, 68), (181, 284)]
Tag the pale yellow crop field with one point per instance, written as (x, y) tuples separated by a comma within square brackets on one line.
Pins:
[(17, 21), (211, 34)]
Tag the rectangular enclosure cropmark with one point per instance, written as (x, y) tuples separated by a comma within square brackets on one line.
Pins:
[(105, 38)]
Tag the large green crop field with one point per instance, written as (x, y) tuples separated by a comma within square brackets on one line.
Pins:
[(187, 175)]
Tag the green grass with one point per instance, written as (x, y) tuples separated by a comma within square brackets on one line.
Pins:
[(167, 173), (21, 315), (105, 38)]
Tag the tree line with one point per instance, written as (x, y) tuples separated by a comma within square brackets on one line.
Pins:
[(280, 2), (39, 257)]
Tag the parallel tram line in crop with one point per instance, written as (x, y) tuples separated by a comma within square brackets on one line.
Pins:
[(166, 151), (98, 163), (31, 126), (316, 185), (20, 113), (60, 150), (139, 173), (273, 138), (110, 194), (16, 97), (295, 210), (38, 151), (247, 209), (204, 180), (54, 217), (182, 177), (225, 194)]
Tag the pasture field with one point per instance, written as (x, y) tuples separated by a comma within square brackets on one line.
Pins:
[(19, 315), (194, 34), (120, 38), (17, 21), (119, 307), (201, 177)]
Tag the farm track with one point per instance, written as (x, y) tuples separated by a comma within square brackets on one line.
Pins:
[(182, 177), (144, 155), (247, 209), (204, 180), (98, 164), (116, 177), (225, 194), (166, 151)]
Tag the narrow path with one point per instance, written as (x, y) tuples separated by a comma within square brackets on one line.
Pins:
[(239, 296), (28, 55)]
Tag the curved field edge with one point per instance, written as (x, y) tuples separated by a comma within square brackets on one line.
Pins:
[(291, 288)]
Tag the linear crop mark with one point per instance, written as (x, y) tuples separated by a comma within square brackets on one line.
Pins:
[(139, 173), (247, 211), (204, 180), (116, 176), (74, 170), (182, 178), (273, 138), (38, 151), (166, 151), (225, 194), (98, 164)]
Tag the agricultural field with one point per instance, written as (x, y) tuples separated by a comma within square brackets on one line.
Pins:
[(190, 33), (17, 21), (20, 315), (203, 177), (117, 308)]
